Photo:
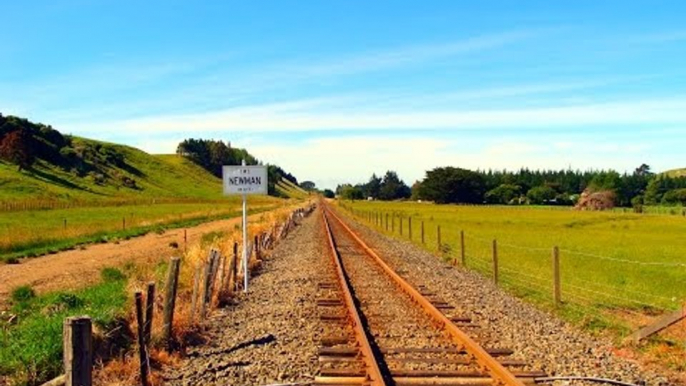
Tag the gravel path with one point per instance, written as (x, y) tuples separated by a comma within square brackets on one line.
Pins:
[(544, 341), (272, 334), (81, 267)]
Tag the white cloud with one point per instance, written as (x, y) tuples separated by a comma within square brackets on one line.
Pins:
[(331, 161), (311, 116), (383, 59)]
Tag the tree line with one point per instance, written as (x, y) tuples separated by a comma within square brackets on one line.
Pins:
[(213, 155), (389, 187), (535, 187)]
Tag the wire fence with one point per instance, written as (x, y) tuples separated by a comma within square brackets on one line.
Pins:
[(49, 204), (583, 281)]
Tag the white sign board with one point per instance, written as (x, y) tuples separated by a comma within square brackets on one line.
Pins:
[(245, 179)]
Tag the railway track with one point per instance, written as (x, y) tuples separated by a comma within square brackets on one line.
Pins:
[(380, 330)]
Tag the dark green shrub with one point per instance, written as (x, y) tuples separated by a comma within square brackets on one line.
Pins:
[(112, 274), (23, 293)]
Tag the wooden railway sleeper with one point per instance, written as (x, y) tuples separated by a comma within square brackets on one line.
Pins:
[(498, 372)]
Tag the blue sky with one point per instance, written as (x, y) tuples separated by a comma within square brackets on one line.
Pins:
[(336, 90)]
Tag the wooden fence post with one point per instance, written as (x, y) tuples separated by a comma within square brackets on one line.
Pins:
[(123, 223), (78, 351), (170, 300), (462, 249), (221, 272), (207, 285), (185, 240), (409, 227), (149, 309), (194, 297), (393, 223), (65, 224), (658, 325), (234, 271), (386, 222), (495, 261), (557, 293), (215, 273), (142, 349), (422, 231), (401, 225)]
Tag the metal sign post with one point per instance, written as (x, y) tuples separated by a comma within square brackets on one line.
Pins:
[(245, 239), (245, 180)]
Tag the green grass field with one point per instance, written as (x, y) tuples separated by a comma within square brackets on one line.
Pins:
[(622, 264), (31, 350), (33, 233)]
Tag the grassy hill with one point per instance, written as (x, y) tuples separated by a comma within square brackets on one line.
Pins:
[(676, 172), (139, 176), (97, 191), (38, 164)]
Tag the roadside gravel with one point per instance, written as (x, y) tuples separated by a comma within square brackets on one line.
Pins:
[(272, 334), (544, 341)]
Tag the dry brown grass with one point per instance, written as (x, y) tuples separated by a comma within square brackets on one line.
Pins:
[(186, 329)]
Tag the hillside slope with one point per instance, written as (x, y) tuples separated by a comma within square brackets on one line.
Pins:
[(138, 175), (676, 172), (40, 164)]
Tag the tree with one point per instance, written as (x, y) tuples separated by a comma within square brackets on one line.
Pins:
[(308, 185), (373, 187), (452, 185), (393, 188), (674, 197), (605, 180), (218, 154), (416, 191), (541, 195), (15, 147), (659, 186), (643, 170), (351, 193), (213, 155), (328, 193), (503, 194)]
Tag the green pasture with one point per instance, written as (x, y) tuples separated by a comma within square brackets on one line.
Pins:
[(31, 349), (623, 264), (37, 232)]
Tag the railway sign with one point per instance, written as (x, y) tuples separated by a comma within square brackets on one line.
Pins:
[(244, 180)]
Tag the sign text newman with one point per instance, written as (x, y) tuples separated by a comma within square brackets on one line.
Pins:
[(245, 179)]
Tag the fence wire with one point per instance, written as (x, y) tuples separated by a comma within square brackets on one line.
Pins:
[(576, 291)]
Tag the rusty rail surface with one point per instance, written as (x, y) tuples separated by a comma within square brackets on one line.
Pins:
[(373, 373), (486, 361)]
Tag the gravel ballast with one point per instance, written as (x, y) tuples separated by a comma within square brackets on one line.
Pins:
[(271, 335), (543, 340)]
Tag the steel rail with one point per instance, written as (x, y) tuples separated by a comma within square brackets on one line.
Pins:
[(373, 372), (496, 370)]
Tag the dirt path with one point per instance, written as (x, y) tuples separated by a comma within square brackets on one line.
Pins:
[(78, 268)]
